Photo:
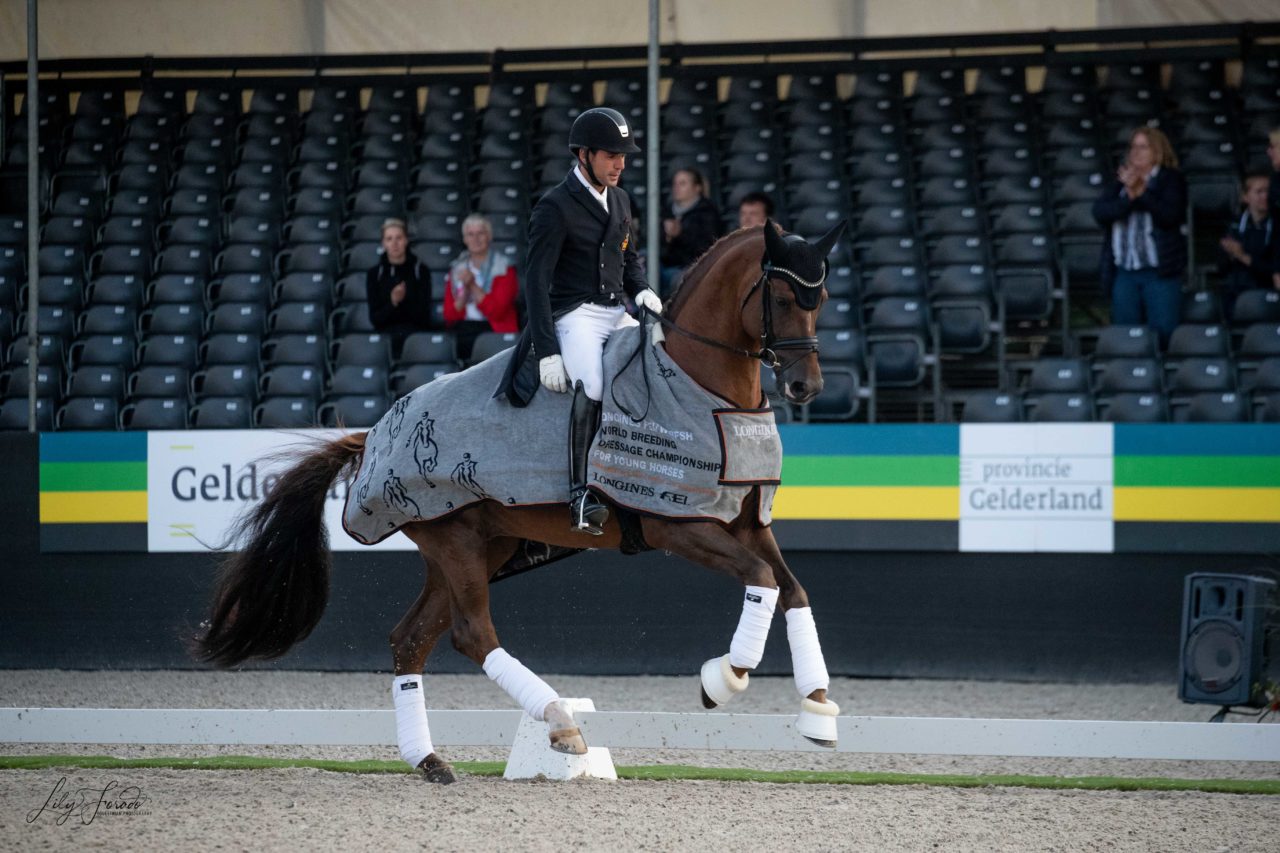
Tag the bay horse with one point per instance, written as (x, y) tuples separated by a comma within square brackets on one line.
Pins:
[(753, 297)]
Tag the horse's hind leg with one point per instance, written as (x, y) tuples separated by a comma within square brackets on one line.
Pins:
[(411, 642)]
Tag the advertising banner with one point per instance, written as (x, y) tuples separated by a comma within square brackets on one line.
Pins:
[(1047, 488), (1209, 488)]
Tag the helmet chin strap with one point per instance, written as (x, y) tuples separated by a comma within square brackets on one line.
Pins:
[(585, 162)]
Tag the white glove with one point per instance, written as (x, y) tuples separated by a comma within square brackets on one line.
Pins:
[(648, 299), (553, 375)]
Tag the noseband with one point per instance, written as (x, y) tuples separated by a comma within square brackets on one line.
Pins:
[(770, 343)]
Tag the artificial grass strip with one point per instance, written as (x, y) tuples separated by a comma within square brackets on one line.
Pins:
[(840, 777), (667, 772)]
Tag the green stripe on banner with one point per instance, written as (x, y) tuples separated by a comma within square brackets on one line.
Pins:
[(1192, 471), (1197, 440), (871, 470), (871, 439), (93, 476), (93, 447)]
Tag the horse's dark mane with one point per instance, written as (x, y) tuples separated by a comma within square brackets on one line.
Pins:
[(698, 269)]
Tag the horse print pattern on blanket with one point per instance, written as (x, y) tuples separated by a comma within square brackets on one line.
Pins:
[(666, 447)]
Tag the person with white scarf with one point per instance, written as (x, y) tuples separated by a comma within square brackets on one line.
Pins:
[(481, 288)]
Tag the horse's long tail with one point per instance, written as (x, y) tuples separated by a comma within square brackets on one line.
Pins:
[(271, 594)]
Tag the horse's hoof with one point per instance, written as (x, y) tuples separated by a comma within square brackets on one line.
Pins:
[(569, 741), (438, 771), (817, 722), (720, 683)]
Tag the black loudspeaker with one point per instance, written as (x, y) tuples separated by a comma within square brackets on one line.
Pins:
[(1224, 621)]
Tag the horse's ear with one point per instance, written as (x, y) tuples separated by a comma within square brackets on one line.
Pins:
[(828, 240), (775, 249)]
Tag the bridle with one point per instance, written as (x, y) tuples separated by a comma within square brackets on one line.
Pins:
[(770, 343)]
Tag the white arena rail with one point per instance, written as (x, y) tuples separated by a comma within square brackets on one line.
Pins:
[(651, 730)]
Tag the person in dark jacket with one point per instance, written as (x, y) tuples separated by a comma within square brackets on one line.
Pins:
[(1144, 211), (398, 289), (1250, 246), (693, 226), (754, 209), (582, 259), (1273, 154)]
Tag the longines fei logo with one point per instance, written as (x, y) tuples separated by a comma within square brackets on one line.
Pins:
[(87, 803)]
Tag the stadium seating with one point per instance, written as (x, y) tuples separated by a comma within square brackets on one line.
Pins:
[(228, 244)]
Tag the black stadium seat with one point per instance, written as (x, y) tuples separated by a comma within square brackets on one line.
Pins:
[(222, 413), (1134, 408), (87, 413), (285, 413), (155, 413), (991, 407)]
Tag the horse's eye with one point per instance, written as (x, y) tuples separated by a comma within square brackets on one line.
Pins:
[(780, 302)]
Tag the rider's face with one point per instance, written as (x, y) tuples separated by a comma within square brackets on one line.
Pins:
[(606, 165)]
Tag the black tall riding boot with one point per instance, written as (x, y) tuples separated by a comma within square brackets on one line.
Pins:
[(588, 513)]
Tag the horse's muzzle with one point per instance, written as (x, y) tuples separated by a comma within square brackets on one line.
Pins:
[(799, 391)]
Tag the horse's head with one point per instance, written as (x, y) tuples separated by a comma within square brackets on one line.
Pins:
[(792, 291)]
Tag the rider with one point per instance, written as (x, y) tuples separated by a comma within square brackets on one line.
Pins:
[(582, 258)]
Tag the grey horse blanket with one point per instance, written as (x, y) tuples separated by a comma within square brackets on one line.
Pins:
[(666, 447)]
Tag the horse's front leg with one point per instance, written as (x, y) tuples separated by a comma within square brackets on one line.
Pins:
[(712, 546), (817, 720)]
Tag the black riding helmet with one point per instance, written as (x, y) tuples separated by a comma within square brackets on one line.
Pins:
[(603, 129)]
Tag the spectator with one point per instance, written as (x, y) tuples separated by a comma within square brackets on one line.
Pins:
[(481, 287), (754, 209), (1145, 210), (1249, 248), (399, 287), (693, 227), (1273, 192)]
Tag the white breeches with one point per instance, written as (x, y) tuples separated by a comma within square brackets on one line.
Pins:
[(582, 333)]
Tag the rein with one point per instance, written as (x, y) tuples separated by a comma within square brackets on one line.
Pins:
[(769, 343)]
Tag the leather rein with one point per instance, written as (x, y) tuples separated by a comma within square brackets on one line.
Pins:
[(770, 343)]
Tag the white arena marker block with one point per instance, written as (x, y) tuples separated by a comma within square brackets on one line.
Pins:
[(532, 755)]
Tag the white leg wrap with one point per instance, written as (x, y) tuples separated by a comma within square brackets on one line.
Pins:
[(530, 692), (747, 647), (411, 719), (806, 653)]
